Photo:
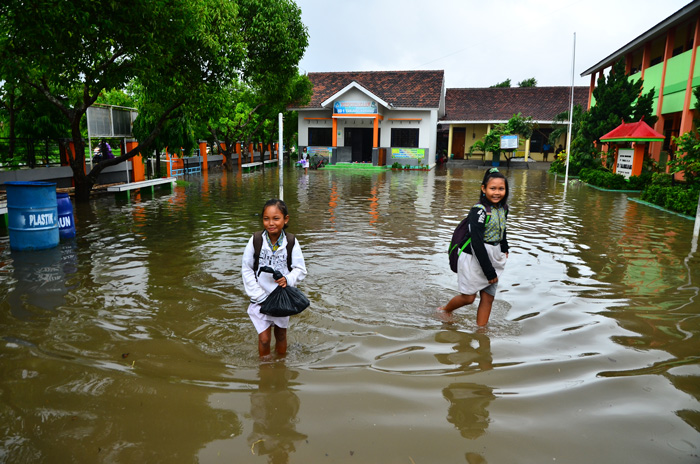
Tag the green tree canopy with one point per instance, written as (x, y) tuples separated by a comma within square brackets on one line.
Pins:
[(505, 83), (178, 50), (531, 82)]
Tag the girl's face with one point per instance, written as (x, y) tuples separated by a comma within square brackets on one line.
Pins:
[(495, 189), (274, 221)]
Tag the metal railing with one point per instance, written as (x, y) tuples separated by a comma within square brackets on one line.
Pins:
[(29, 153)]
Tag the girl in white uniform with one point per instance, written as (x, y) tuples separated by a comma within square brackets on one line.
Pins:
[(273, 253), (483, 262)]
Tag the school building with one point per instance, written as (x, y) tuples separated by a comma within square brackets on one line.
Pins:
[(471, 114), (665, 58), (379, 117)]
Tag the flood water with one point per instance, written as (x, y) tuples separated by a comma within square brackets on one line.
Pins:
[(132, 343)]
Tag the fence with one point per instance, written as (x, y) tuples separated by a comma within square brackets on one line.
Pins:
[(29, 153)]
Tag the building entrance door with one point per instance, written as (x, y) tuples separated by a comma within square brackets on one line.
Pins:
[(458, 139), (360, 139)]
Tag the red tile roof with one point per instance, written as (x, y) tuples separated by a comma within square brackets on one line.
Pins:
[(402, 89), (500, 104), (631, 131)]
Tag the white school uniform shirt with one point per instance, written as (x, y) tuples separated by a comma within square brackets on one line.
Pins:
[(258, 289)]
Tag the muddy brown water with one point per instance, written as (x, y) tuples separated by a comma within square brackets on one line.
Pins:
[(132, 344)]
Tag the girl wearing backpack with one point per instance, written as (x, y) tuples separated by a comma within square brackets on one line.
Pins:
[(485, 257), (281, 252)]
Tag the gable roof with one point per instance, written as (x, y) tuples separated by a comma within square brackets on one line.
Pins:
[(661, 29), (501, 103), (633, 132), (400, 89)]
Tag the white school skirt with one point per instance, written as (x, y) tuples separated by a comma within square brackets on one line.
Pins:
[(262, 321), (470, 277)]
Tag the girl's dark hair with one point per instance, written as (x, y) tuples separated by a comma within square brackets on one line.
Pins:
[(493, 173), (281, 205)]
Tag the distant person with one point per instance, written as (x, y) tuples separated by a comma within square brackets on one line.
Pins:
[(546, 148), (106, 150), (484, 259), (274, 253), (560, 149), (305, 160)]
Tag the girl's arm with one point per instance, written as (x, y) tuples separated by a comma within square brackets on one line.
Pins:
[(298, 271), (477, 226), (252, 287)]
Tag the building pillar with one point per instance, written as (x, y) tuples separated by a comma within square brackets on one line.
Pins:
[(655, 147), (590, 90), (138, 170), (449, 140), (203, 154), (687, 117), (527, 150), (252, 152), (335, 132), (375, 132)]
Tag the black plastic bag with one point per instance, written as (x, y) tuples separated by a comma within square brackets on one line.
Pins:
[(283, 301)]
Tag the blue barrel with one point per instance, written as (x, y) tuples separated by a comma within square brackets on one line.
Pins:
[(32, 215), (66, 224)]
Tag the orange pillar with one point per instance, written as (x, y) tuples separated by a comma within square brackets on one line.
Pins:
[(375, 132), (240, 155), (252, 153), (655, 147), (335, 132), (638, 159), (269, 148), (687, 117), (138, 169), (203, 154)]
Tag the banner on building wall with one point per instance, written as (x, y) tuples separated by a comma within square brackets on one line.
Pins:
[(624, 162), (355, 107), (417, 153), (320, 151)]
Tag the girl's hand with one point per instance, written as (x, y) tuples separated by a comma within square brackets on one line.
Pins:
[(494, 280), (282, 282)]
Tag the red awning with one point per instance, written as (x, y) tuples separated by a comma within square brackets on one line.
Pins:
[(633, 132)]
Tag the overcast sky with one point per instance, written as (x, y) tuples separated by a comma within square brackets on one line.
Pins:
[(477, 43)]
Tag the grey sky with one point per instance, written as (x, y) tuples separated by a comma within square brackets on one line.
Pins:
[(477, 43)]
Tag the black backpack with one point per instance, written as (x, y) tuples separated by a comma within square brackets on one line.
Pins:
[(461, 238), (257, 246)]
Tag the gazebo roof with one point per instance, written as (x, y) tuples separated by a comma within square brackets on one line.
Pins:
[(632, 132)]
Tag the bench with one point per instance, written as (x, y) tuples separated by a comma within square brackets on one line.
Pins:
[(251, 166), (270, 161), (138, 185)]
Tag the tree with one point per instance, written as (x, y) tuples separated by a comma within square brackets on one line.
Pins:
[(532, 82), (617, 99), (517, 124), (505, 84), (688, 161), (175, 46)]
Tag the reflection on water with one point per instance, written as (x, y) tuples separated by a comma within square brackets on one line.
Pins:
[(274, 408), (468, 401), (132, 342)]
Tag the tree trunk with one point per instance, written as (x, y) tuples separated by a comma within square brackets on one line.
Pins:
[(11, 110), (157, 173)]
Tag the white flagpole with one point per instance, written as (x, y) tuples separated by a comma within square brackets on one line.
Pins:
[(280, 156), (571, 116)]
